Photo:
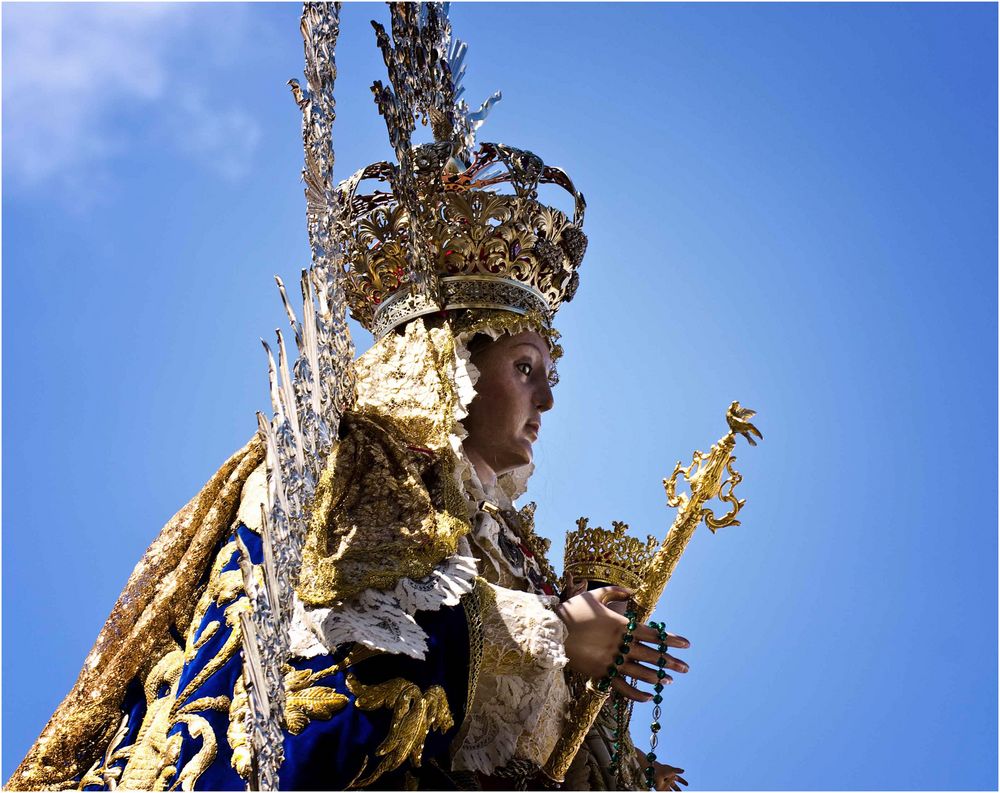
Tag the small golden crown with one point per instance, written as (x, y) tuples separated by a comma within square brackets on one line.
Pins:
[(615, 557), (485, 249)]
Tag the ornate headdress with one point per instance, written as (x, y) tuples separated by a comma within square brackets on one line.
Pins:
[(443, 236), (612, 557)]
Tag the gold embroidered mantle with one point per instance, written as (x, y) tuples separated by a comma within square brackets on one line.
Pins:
[(389, 504), (160, 594)]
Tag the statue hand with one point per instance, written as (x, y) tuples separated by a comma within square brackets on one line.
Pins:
[(595, 636), (665, 777)]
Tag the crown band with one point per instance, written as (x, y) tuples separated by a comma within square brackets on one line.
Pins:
[(459, 291)]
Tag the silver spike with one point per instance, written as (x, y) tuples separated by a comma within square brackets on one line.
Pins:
[(307, 399)]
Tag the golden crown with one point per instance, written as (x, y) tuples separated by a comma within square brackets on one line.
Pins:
[(443, 235), (614, 557), (487, 249)]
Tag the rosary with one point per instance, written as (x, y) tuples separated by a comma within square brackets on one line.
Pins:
[(623, 711)]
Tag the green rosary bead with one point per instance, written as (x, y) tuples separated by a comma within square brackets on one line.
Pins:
[(603, 685), (620, 659), (655, 726), (657, 699), (613, 671), (660, 674), (651, 756), (625, 648)]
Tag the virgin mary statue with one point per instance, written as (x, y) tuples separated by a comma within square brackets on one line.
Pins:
[(354, 600)]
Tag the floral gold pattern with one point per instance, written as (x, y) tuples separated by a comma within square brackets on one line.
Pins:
[(236, 734), (102, 774), (305, 702), (151, 748), (414, 715)]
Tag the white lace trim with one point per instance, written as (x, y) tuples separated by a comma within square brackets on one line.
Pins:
[(521, 695), (383, 619)]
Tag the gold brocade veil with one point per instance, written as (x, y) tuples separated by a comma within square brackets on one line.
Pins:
[(391, 502)]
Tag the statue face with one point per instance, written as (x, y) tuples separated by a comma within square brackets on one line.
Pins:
[(512, 393)]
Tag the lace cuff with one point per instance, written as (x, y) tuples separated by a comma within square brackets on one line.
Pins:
[(383, 619), (521, 695)]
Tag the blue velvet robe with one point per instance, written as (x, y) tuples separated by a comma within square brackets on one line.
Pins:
[(332, 749)]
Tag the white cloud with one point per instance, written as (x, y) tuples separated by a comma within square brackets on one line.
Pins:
[(223, 139), (72, 71)]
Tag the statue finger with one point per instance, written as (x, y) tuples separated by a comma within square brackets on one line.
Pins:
[(645, 674), (649, 655), (629, 691)]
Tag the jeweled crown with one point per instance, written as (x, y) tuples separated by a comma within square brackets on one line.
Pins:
[(614, 557), (457, 227)]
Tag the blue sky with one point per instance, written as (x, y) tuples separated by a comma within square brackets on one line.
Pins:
[(790, 205)]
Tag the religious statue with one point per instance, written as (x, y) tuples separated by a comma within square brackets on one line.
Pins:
[(354, 600)]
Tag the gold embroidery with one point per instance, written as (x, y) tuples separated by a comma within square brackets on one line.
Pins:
[(236, 734), (211, 591), (229, 584), (159, 593), (220, 703), (101, 773), (172, 755), (206, 634), (484, 320), (387, 505), (304, 702), (359, 653), (198, 727), (229, 649), (151, 751), (414, 715), (473, 608)]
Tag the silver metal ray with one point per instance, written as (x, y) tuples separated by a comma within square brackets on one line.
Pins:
[(308, 398)]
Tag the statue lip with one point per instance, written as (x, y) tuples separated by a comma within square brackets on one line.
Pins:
[(534, 426)]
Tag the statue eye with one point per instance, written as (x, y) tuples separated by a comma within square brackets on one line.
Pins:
[(524, 368)]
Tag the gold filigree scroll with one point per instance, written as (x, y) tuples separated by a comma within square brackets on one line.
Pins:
[(236, 733), (414, 715), (707, 479), (198, 727), (161, 592), (305, 702), (147, 758), (102, 774), (152, 759)]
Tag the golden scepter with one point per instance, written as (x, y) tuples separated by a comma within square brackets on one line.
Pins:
[(707, 478)]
